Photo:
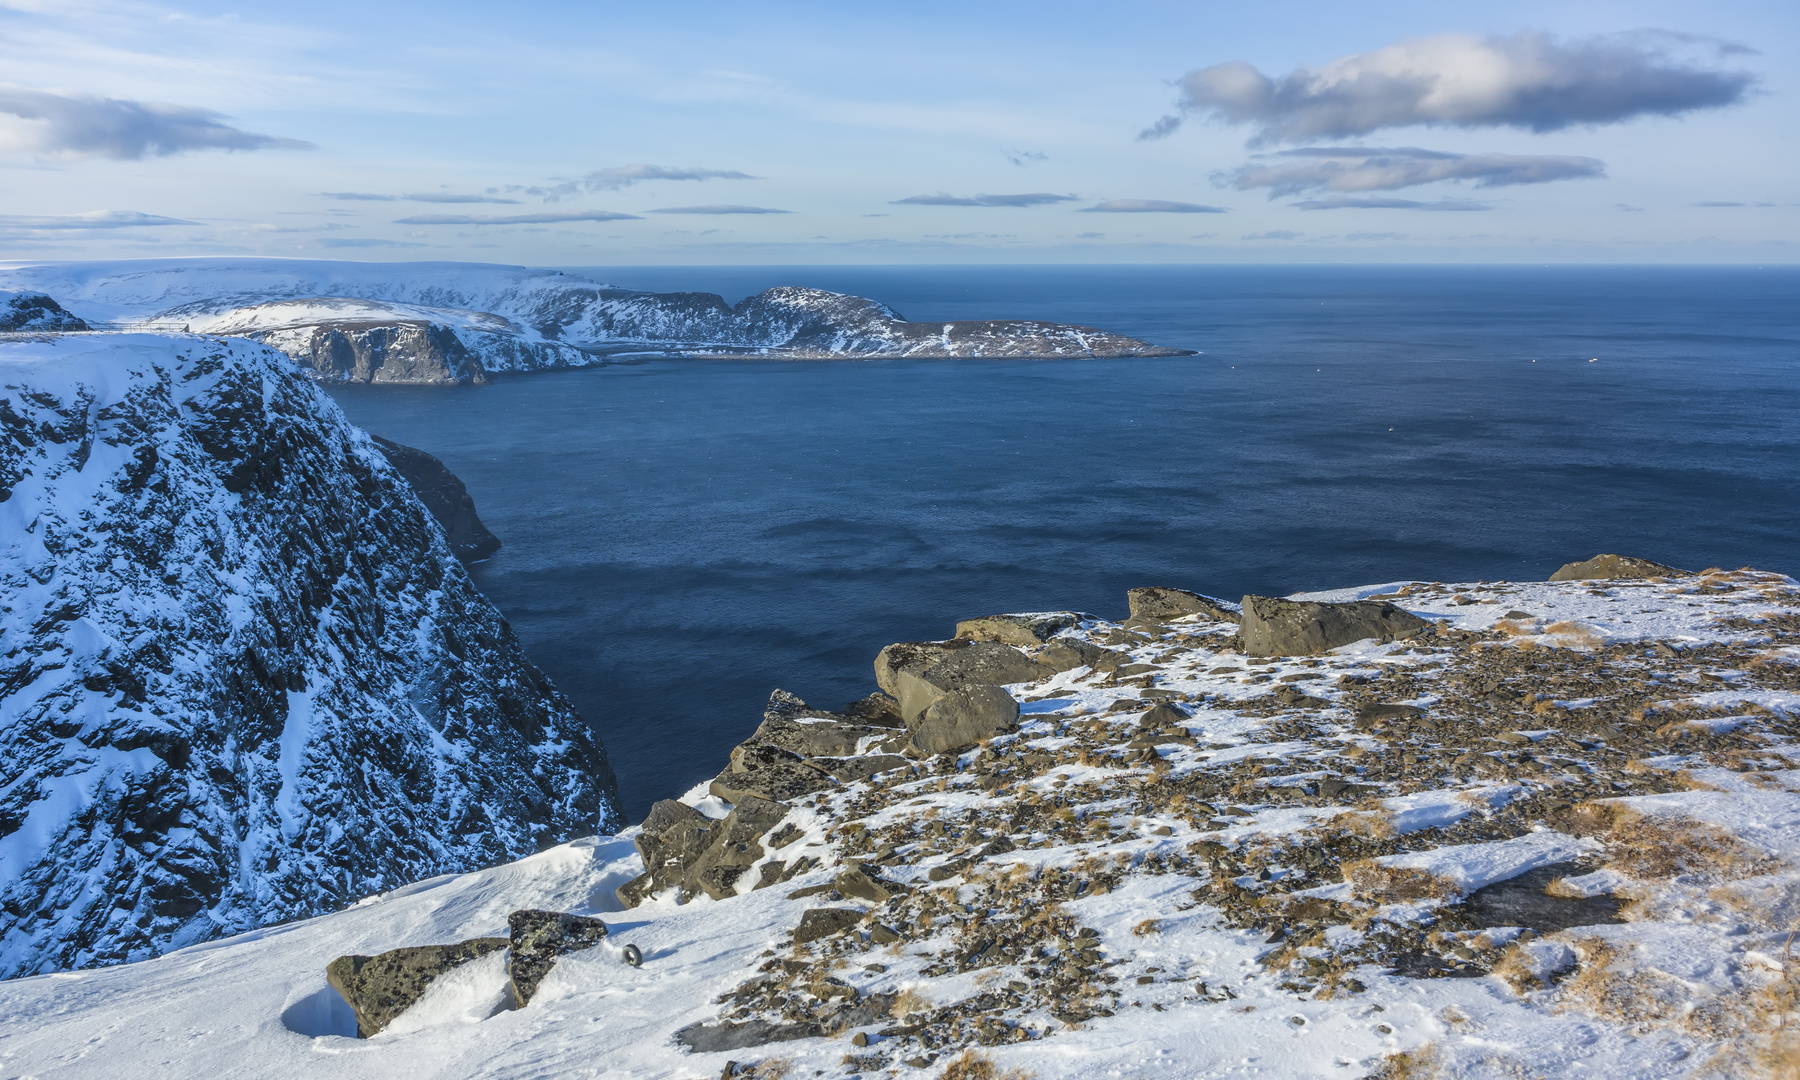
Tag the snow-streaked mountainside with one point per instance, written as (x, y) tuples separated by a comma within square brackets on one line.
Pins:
[(342, 319), (243, 678), (28, 312), (1554, 833)]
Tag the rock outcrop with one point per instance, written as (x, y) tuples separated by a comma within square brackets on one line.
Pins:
[(1273, 626), (1158, 604), (1605, 567), (379, 988), (245, 679), (539, 939), (445, 497), (25, 312)]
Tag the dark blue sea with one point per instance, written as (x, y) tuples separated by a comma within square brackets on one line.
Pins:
[(682, 537)]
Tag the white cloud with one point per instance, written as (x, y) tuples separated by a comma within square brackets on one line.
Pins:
[(1357, 168), (1034, 198), (1350, 202), (623, 176), (1528, 80), (547, 217), (94, 219), (1150, 206), (38, 122), (718, 208)]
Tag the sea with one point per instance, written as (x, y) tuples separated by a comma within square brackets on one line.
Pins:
[(684, 536)]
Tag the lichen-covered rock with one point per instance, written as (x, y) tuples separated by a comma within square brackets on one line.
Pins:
[(816, 923), (917, 673), (539, 939), (1158, 602), (1025, 629), (963, 717), (1273, 626), (245, 679), (1606, 567), (379, 988)]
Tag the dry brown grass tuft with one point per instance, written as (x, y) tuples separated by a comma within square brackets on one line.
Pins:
[(975, 1065), (1574, 635), (1669, 845), (1419, 1063), (1375, 824), (1146, 928), (1607, 985), (1369, 880), (909, 1001)]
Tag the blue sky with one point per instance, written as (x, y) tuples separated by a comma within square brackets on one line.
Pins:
[(616, 134)]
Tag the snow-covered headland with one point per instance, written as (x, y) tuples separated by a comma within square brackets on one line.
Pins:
[(243, 676), (457, 322), (1545, 829)]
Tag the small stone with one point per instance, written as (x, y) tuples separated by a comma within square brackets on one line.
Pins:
[(860, 1039)]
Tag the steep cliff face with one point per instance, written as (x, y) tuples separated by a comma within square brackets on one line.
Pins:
[(444, 497), (244, 678), (450, 322)]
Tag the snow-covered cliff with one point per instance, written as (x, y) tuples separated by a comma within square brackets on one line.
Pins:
[(243, 679), (452, 322)]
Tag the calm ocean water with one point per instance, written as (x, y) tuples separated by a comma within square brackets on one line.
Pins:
[(684, 536)]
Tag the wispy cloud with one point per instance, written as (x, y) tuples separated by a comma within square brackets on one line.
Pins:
[(1527, 80), (95, 219), (1025, 157), (545, 218), (423, 196), (1034, 198), (1722, 205), (1356, 168), (1346, 202), (623, 176), (1150, 206), (1273, 234), (69, 126), (361, 242), (718, 208)]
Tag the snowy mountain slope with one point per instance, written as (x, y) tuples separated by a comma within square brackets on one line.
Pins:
[(512, 318), (26, 312), (244, 678), (1216, 902)]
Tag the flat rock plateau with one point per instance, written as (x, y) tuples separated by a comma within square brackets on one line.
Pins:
[(460, 322), (1552, 829)]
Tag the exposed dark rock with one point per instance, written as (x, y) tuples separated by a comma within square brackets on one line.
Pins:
[(877, 710), (539, 939), (963, 717), (734, 847), (1159, 603), (704, 1038), (398, 351), (1163, 715), (1522, 901), (382, 987), (857, 883), (1373, 713), (1026, 629), (33, 311), (816, 923), (1605, 567), (1273, 626), (446, 497)]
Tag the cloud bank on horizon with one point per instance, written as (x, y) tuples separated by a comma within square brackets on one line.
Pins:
[(39, 122)]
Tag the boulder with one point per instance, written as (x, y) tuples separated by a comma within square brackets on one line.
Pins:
[(735, 847), (857, 883), (877, 710), (539, 939), (1024, 629), (918, 673), (1163, 715), (851, 769), (963, 717), (673, 836), (1605, 567), (1273, 626), (824, 922), (795, 727), (763, 776), (379, 988), (1066, 654), (1158, 603)]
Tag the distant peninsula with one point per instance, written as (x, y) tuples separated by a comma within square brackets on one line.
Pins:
[(449, 323)]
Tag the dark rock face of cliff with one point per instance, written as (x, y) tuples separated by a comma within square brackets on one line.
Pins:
[(396, 352), (245, 680), (28, 311), (445, 496)]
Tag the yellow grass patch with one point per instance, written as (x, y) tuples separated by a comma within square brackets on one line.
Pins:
[(1370, 880)]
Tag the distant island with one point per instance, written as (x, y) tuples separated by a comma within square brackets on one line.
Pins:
[(451, 323)]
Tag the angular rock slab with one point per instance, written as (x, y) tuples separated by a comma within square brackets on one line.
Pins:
[(821, 922), (1614, 567), (963, 717), (1157, 603), (381, 987), (539, 939), (1025, 629), (917, 673), (1066, 654), (1273, 626)]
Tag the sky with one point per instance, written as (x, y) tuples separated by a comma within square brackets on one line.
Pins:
[(597, 133)]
